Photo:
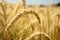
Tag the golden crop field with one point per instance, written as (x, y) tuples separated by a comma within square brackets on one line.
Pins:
[(18, 22)]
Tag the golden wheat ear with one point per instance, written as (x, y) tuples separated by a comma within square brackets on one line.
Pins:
[(19, 15), (46, 37)]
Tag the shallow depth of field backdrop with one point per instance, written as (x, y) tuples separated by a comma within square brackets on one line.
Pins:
[(29, 22)]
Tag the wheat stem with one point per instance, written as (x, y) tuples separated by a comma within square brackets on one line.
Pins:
[(3, 10)]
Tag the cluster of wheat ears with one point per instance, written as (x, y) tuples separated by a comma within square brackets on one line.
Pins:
[(31, 25)]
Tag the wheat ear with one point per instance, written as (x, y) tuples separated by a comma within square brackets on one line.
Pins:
[(19, 15), (37, 33)]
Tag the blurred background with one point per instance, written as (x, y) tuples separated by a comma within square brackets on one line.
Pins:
[(38, 2)]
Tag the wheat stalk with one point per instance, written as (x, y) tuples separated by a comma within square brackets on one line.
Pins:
[(3, 15), (16, 8), (3, 9), (58, 15), (24, 3), (2, 25), (57, 33)]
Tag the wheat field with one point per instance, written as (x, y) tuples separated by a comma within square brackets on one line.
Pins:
[(18, 22)]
